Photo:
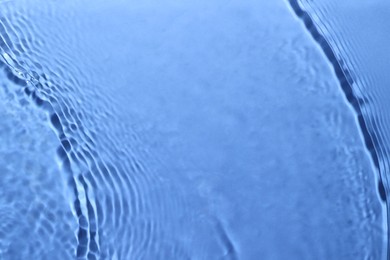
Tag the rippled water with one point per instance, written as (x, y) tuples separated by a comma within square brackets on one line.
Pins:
[(193, 129)]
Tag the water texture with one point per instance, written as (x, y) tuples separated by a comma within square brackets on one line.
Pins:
[(349, 30), (189, 130)]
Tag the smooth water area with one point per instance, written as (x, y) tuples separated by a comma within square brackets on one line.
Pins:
[(192, 130)]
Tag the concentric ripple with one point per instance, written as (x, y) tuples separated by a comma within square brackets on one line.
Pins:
[(103, 195), (178, 130), (344, 31)]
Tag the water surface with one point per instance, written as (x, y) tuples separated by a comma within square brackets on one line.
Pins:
[(179, 130)]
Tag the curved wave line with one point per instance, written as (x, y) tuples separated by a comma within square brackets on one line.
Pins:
[(346, 82)]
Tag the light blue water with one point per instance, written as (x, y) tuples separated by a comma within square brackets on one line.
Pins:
[(193, 129)]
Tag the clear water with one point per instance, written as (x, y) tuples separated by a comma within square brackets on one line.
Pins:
[(193, 129)]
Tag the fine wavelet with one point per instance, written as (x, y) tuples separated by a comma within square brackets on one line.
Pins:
[(112, 193), (354, 93), (206, 172), (33, 83)]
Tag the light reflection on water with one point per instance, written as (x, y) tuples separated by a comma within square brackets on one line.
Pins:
[(191, 130)]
